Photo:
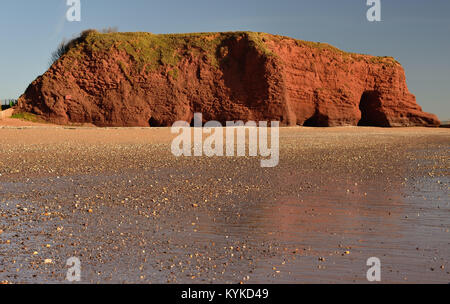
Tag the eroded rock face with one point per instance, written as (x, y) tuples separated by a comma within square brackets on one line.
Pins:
[(225, 76)]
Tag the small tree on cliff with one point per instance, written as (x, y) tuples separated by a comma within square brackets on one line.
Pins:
[(65, 45), (62, 49)]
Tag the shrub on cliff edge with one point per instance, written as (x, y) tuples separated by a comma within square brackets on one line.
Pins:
[(65, 45)]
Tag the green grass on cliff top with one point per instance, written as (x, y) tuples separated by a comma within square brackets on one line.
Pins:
[(153, 50), (150, 51)]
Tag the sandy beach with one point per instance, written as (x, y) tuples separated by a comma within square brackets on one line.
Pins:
[(132, 212)]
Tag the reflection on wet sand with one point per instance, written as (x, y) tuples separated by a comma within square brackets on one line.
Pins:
[(337, 217)]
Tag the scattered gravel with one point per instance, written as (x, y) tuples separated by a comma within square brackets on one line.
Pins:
[(133, 213)]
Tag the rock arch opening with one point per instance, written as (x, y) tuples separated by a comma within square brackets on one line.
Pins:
[(371, 112)]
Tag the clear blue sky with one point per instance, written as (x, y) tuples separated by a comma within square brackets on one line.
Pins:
[(415, 32)]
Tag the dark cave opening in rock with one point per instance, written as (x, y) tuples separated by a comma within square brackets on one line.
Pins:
[(311, 122), (370, 107), (317, 120), (154, 123)]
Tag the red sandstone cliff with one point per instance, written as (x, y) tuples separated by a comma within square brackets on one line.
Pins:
[(140, 79)]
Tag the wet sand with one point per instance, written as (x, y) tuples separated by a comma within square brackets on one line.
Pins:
[(133, 213)]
